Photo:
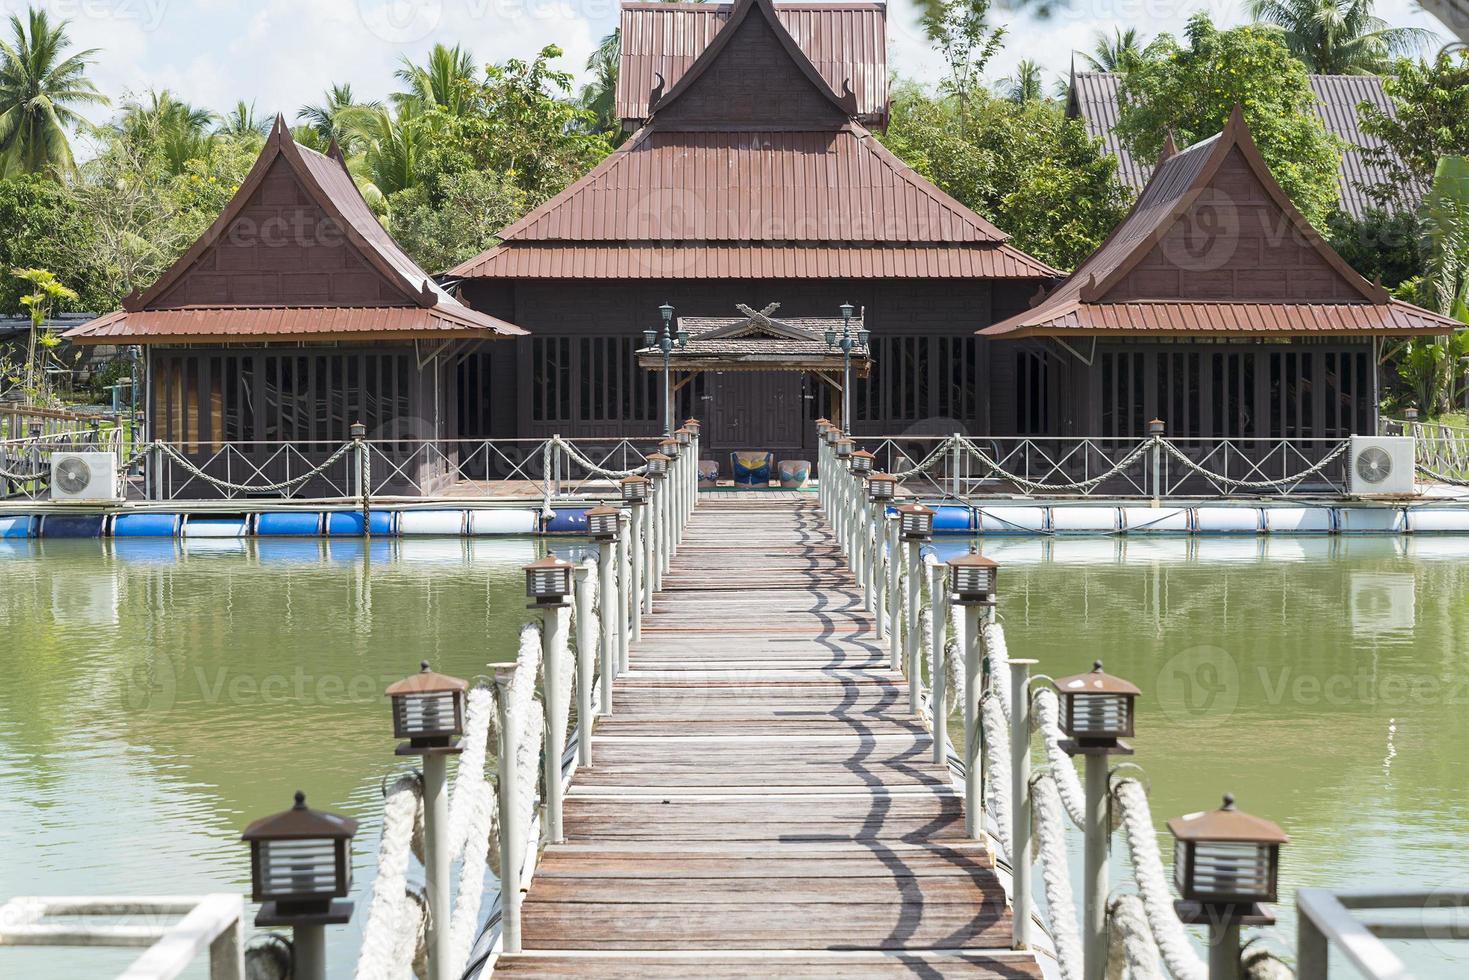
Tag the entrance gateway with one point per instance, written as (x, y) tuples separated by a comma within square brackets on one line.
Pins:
[(760, 378)]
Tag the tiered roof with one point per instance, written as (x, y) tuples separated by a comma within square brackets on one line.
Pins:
[(1214, 247), (752, 163)]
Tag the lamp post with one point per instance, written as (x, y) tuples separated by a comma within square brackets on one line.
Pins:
[(846, 343), (548, 586), (668, 342), (603, 524), (428, 710), (300, 862), (671, 448), (972, 587), (880, 490), (915, 526), (657, 530), (1097, 712), (1226, 865)]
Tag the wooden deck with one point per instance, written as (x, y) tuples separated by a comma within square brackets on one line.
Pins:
[(761, 803)]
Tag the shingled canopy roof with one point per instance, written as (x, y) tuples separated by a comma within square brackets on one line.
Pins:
[(758, 341), (752, 164), (296, 255), (1094, 97), (1213, 247)]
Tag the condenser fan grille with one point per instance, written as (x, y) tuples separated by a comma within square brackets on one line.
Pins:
[(73, 475), (1374, 464)]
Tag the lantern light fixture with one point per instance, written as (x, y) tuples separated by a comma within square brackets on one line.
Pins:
[(973, 579), (657, 464), (358, 431), (1097, 710), (1226, 860), (428, 710), (683, 436), (602, 523), (635, 490), (669, 447), (300, 861), (843, 447), (915, 522), (692, 425), (881, 487), (548, 582), (862, 461)]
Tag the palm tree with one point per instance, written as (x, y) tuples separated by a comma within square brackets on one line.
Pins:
[(326, 119), (241, 121), (38, 90), (175, 130), (1338, 37), (392, 143), (444, 81), (1025, 85), (599, 95), (1117, 53)]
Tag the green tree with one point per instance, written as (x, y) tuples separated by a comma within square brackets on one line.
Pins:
[(43, 229), (444, 82), (40, 90), (1380, 245), (45, 293), (1338, 37), (242, 123), (1430, 121), (1025, 85), (392, 142), (1117, 53), (961, 32), (326, 120), (168, 130), (1024, 166), (1190, 89), (451, 217), (599, 95)]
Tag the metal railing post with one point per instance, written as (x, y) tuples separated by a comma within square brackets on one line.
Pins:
[(869, 562), (1097, 834), (973, 740), (586, 659), (878, 571), (1020, 799), (954, 460), (437, 861), (895, 598), (1156, 429), (938, 677), (914, 642), (1311, 950), (553, 641), (511, 834)]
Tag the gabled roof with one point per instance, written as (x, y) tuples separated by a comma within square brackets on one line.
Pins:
[(1094, 97), (296, 252), (844, 104), (757, 340), (846, 42), (1213, 246)]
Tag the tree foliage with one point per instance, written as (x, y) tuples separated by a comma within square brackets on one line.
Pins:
[(1024, 166), (1430, 121), (1190, 89), (1338, 37), (40, 90)]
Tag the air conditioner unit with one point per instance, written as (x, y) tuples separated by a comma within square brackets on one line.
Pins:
[(84, 476), (1380, 465)]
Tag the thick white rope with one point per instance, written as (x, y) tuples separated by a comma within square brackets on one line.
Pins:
[(1262, 964), (1190, 465), (195, 471), (480, 810), (954, 660), (1028, 484), (997, 662), (1147, 868), (389, 940), (1131, 952), (471, 774), (997, 772), (592, 468), (1045, 717), (1050, 840)]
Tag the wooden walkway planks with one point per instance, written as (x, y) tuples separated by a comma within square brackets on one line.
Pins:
[(761, 803)]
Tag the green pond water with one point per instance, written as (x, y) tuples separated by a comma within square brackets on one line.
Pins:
[(156, 697)]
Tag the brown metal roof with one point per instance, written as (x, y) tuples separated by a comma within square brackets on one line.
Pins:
[(299, 288), (735, 261), (283, 323), (1251, 265), (1094, 97), (845, 42), (837, 186)]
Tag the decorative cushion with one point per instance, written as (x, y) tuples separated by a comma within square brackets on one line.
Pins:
[(751, 469), (708, 473), (794, 473)]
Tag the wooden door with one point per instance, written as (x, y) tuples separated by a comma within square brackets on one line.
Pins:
[(756, 410)]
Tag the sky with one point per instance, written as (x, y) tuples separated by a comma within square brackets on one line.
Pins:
[(282, 54)]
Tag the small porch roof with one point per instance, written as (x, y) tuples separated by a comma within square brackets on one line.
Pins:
[(757, 341)]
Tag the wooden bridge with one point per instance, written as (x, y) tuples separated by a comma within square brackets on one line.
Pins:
[(761, 800)]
